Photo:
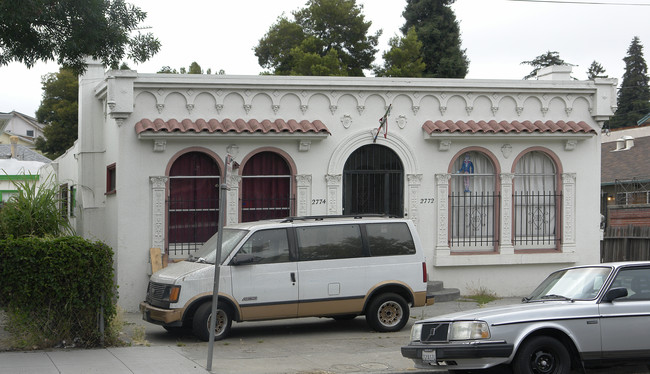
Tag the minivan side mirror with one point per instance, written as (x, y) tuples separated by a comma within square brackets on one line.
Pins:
[(615, 293), (243, 259)]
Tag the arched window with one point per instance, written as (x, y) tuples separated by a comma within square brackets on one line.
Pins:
[(536, 202), (473, 203), (193, 206), (373, 182), (266, 188)]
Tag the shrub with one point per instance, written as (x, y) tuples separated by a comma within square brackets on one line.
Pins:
[(34, 211), (53, 290)]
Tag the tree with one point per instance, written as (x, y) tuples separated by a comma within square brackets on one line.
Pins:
[(438, 30), (195, 68), (331, 34), (544, 60), (58, 111), (595, 70), (404, 59), (633, 100), (69, 31)]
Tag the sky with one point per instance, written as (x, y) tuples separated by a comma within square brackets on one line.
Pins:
[(497, 35)]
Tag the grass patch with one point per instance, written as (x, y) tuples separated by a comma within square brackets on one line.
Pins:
[(481, 296)]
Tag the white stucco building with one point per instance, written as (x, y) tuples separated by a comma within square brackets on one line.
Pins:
[(151, 149)]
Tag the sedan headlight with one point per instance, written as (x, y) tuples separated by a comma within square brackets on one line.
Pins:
[(469, 330), (416, 332)]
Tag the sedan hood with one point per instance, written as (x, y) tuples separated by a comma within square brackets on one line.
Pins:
[(520, 312)]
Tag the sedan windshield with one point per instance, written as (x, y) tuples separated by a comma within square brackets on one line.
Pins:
[(579, 283), (208, 251)]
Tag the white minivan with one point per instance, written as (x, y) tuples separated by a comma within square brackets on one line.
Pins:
[(326, 266)]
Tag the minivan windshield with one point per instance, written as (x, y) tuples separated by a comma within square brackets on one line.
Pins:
[(208, 251), (579, 283)]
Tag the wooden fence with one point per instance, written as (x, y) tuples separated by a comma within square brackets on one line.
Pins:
[(630, 243)]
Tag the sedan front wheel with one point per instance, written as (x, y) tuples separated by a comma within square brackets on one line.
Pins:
[(542, 355)]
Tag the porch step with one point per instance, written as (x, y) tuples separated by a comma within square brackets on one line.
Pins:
[(437, 290)]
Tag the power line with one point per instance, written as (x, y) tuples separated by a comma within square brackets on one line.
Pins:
[(581, 2)]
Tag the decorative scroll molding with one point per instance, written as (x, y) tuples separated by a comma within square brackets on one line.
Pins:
[(159, 145), (444, 145), (442, 193), (346, 121), (401, 121), (506, 214), (333, 193), (303, 182), (158, 184), (304, 145), (506, 150), (570, 145), (414, 183), (232, 202), (569, 211)]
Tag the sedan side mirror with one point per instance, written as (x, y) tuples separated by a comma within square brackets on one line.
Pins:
[(615, 293)]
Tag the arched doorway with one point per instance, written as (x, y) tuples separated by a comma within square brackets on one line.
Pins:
[(193, 205), (266, 188), (373, 182)]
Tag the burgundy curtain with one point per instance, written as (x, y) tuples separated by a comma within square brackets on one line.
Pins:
[(193, 198), (266, 188)]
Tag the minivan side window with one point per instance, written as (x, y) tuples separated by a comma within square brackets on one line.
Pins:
[(390, 239), (329, 242), (267, 246)]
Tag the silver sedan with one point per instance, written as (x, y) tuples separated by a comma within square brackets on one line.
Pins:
[(582, 316)]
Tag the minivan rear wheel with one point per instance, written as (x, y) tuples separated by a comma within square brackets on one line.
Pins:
[(202, 317), (388, 312)]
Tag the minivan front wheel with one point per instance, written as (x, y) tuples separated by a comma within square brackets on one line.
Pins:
[(202, 319), (388, 312)]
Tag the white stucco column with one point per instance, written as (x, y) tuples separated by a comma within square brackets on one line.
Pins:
[(442, 208), (158, 212), (303, 195), (333, 193), (506, 246), (232, 199), (414, 183), (569, 212)]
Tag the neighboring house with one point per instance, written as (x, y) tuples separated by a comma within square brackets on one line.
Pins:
[(498, 175), (625, 181), (26, 128), (18, 164)]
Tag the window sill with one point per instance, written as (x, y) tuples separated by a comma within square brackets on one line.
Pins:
[(483, 259), (108, 193)]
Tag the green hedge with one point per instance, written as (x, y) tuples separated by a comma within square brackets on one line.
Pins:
[(54, 288)]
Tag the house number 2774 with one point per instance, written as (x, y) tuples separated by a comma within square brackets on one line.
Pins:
[(318, 201)]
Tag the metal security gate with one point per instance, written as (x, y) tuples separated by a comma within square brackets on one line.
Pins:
[(472, 220), (536, 218), (373, 182)]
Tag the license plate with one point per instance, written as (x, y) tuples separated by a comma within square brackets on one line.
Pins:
[(429, 355)]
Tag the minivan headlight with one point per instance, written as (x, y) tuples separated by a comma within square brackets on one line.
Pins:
[(172, 293), (469, 330), (416, 332)]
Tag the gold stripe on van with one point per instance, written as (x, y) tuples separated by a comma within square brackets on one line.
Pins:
[(331, 307), (268, 311)]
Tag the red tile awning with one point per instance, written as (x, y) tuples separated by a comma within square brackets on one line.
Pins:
[(230, 126), (432, 127)]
